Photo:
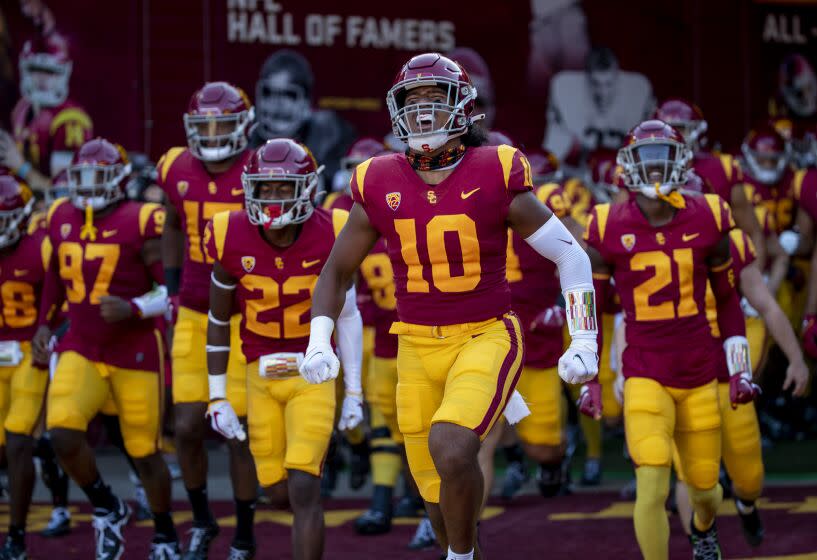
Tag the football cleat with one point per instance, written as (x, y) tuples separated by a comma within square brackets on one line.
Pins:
[(705, 545), (373, 522), (424, 537), (164, 551), (13, 551), (553, 480), (59, 525), (408, 506), (750, 523), (110, 545), (240, 550), (201, 536), (591, 474), (516, 475)]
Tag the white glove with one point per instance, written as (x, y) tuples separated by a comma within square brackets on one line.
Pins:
[(223, 420), (320, 363), (789, 240), (580, 362), (352, 413), (747, 308), (618, 388)]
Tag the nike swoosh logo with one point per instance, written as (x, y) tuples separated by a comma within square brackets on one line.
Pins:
[(464, 195), (566, 241), (107, 234), (237, 192), (689, 236), (307, 264), (19, 273), (581, 361)]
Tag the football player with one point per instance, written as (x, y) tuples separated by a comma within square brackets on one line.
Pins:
[(199, 181), (47, 126), (805, 193), (741, 447), (444, 208), (661, 247), (24, 256), (267, 259), (105, 261), (720, 173)]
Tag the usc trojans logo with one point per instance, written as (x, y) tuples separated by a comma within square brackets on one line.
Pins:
[(65, 230), (628, 240), (279, 263), (182, 187), (248, 264), (659, 237), (432, 197), (393, 200)]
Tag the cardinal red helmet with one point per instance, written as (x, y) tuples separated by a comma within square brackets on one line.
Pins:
[(605, 173), (544, 166), (654, 159), (45, 70), (97, 174), (16, 205), (686, 118), (217, 121), (429, 122), (279, 182), (766, 154), (361, 150)]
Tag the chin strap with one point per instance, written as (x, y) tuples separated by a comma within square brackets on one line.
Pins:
[(674, 198), (446, 158), (88, 231)]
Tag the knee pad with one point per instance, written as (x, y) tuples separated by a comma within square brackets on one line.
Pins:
[(652, 450)]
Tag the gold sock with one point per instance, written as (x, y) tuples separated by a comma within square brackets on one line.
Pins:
[(705, 503), (649, 515)]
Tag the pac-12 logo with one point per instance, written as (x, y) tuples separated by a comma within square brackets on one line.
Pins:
[(248, 264), (628, 240), (393, 200)]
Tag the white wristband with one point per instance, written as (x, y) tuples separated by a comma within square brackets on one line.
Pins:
[(218, 386), (320, 330)]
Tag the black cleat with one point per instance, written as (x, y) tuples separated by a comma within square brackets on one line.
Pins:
[(164, 550), (516, 475), (552, 480), (751, 524), (240, 550), (408, 507), (201, 537), (705, 545), (13, 551), (59, 525), (591, 474), (424, 537), (110, 545), (373, 522)]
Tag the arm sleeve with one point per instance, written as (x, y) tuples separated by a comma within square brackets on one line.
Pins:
[(349, 335)]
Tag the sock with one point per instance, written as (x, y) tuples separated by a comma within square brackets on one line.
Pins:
[(649, 515), (705, 504), (100, 495), (513, 454), (591, 430), (464, 556), (381, 499), (385, 458), (745, 507), (53, 476), (244, 518), (17, 535), (164, 528), (198, 502)]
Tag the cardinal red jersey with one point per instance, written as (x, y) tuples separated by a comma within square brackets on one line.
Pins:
[(778, 199), (197, 196), (805, 191), (339, 200), (22, 272), (535, 287), (63, 128), (378, 277), (105, 259), (275, 285), (661, 275), (719, 173), (447, 242)]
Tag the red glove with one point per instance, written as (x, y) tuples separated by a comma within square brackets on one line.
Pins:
[(742, 390), (552, 317), (589, 402), (809, 334), (174, 309)]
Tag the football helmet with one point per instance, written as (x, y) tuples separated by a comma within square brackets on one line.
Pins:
[(481, 78), (766, 154), (605, 174), (280, 161), (98, 174), (217, 121), (797, 84), (544, 166), (654, 159), (686, 118), (16, 205), (283, 94), (361, 150), (58, 189), (418, 124), (45, 70)]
